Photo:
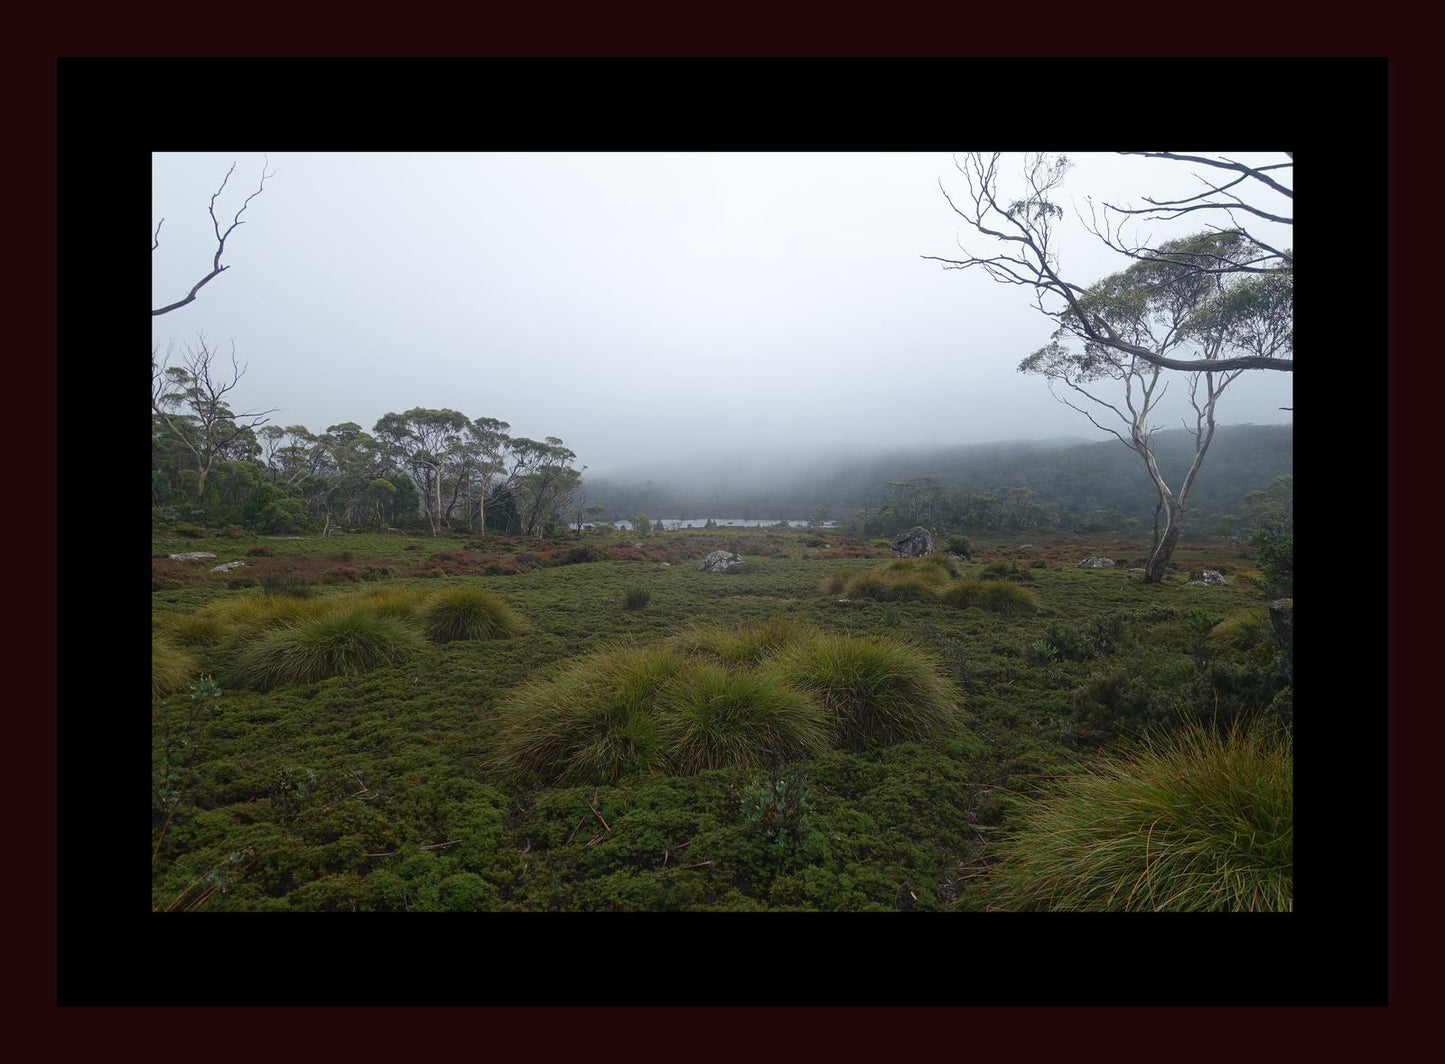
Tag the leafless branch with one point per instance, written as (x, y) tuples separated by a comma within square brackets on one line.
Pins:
[(1256, 172), (216, 267)]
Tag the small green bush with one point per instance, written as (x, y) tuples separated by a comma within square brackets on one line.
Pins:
[(339, 643), (1117, 700), (960, 545), (189, 531), (876, 690), (635, 598), (465, 892), (469, 613), (1197, 821)]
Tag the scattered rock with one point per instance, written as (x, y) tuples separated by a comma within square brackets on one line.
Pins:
[(720, 561), (1097, 563), (914, 543), (1140, 570), (1208, 578), (228, 566), (192, 556)]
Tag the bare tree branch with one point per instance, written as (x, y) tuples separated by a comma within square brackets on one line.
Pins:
[(216, 267), (1256, 172)]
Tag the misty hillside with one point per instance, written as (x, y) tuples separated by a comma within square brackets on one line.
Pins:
[(1072, 478)]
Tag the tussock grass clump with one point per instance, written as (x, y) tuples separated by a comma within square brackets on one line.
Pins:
[(1000, 596), (336, 643), (901, 580), (1245, 631), (1008, 599), (469, 613), (171, 668), (252, 614), (875, 690), (592, 722), (936, 567), (963, 594), (745, 645), (392, 602), (198, 629), (714, 717), (1192, 822), (636, 598)]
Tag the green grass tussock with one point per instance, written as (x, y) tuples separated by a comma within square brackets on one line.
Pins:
[(334, 643), (875, 690), (715, 717), (999, 596), (744, 645), (1247, 631), (469, 613), (171, 667), (594, 721), (1197, 821), (901, 580)]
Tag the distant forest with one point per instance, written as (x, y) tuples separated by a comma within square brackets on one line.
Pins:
[(1099, 486)]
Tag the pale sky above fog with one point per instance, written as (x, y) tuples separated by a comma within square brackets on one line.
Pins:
[(640, 306)]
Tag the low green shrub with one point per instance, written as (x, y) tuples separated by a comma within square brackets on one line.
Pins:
[(960, 545), (338, 643), (635, 598), (465, 892), (1197, 821), (468, 613), (876, 690), (1114, 701)]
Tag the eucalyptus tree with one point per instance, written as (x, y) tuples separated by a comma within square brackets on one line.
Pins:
[(425, 440), (543, 481), (1024, 236), (1173, 308), (190, 401), (488, 441)]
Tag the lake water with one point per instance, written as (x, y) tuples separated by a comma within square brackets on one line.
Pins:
[(722, 522)]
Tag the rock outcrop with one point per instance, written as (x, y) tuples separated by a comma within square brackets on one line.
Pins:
[(720, 561), (914, 543), (1097, 563)]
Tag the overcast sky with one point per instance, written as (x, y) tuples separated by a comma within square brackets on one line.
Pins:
[(640, 306)]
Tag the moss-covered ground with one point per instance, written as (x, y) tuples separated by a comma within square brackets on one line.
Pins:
[(372, 791)]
